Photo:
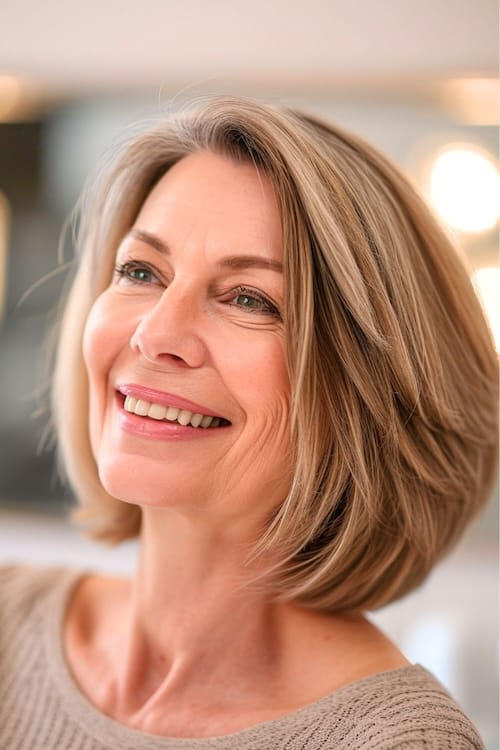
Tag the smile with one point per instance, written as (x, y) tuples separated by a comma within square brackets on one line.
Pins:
[(171, 414)]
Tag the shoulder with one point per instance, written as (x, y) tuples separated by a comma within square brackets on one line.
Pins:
[(24, 588), (32, 601), (24, 578), (404, 709), (409, 708)]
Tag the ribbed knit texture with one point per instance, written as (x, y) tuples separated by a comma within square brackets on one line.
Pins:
[(42, 708)]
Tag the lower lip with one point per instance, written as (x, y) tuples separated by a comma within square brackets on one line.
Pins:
[(159, 429)]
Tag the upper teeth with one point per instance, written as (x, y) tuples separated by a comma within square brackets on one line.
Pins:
[(170, 413)]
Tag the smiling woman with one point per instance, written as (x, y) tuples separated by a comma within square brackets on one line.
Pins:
[(272, 369), (180, 329)]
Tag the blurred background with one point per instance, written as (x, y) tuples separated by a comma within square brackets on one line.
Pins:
[(419, 80)]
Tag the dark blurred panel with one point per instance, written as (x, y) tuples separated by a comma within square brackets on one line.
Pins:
[(20, 164), (26, 475)]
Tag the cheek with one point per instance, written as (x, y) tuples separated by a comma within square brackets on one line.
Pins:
[(266, 372), (100, 347), (96, 348), (107, 331), (271, 390), (261, 458), (260, 384)]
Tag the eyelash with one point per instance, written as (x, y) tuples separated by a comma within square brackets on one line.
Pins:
[(123, 271), (269, 307)]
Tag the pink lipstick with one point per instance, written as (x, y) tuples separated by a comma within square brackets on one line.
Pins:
[(165, 399), (167, 428)]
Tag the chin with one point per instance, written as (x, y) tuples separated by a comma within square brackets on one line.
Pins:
[(134, 481)]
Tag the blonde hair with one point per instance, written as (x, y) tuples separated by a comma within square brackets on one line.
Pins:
[(393, 370)]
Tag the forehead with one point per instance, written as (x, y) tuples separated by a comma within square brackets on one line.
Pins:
[(212, 197)]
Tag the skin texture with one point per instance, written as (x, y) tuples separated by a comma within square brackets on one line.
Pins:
[(187, 647)]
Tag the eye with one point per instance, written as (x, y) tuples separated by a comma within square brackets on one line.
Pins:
[(136, 273), (253, 301)]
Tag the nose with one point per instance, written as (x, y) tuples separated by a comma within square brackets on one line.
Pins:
[(169, 330)]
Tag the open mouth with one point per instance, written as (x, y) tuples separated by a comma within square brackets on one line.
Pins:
[(162, 413)]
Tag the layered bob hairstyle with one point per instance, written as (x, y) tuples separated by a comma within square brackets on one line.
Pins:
[(391, 363)]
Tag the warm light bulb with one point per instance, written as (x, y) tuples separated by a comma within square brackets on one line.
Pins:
[(487, 283), (10, 96), (464, 188)]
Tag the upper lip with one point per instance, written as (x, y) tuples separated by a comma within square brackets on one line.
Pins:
[(165, 399)]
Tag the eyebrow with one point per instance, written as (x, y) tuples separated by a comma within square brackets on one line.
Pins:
[(149, 239), (237, 262)]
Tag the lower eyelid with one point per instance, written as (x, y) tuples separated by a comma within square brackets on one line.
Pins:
[(265, 307)]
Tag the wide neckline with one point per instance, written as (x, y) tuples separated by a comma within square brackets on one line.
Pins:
[(109, 731)]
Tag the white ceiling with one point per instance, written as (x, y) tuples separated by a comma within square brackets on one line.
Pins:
[(71, 47)]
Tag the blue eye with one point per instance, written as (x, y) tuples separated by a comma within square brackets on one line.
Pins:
[(136, 273), (245, 300), (248, 299)]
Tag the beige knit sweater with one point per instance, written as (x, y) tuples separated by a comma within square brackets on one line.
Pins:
[(41, 707)]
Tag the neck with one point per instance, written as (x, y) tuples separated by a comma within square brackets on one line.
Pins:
[(189, 646), (190, 606)]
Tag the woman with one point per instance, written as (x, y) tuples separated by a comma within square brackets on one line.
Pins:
[(273, 369)]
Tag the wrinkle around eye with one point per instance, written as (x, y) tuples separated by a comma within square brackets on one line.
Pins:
[(265, 324)]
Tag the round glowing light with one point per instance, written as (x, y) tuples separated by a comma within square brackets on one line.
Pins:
[(487, 283), (464, 188)]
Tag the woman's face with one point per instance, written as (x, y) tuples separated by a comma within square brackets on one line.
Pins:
[(190, 328)]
